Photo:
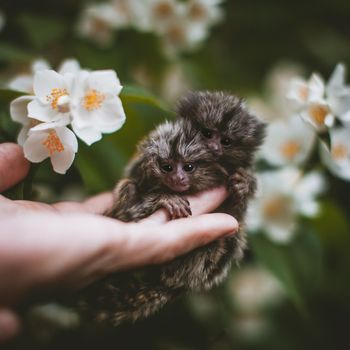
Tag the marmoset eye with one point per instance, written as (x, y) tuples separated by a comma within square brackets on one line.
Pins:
[(207, 133), (167, 168), (188, 168), (226, 141)]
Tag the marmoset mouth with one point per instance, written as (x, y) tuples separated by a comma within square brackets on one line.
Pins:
[(179, 187)]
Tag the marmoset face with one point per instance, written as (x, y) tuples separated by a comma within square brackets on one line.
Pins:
[(175, 158), (177, 175), (226, 128)]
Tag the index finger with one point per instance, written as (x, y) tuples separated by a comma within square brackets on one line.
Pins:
[(13, 166), (201, 203)]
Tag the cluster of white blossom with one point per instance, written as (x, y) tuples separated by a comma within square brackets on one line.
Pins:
[(88, 101), (181, 25), (326, 107), (310, 113)]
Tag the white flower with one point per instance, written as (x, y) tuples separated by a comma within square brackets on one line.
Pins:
[(205, 12), (54, 141), (319, 115), (337, 159), (338, 94), (19, 106), (98, 22), (284, 194), (288, 142), (163, 11), (180, 35), (254, 288), (310, 97), (24, 82), (52, 96), (96, 106), (302, 92), (321, 104), (132, 13)]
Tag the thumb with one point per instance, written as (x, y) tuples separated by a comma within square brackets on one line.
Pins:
[(13, 166), (9, 325)]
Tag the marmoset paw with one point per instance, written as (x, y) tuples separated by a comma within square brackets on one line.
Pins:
[(240, 183), (177, 207)]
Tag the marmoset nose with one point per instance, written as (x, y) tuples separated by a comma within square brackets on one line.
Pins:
[(215, 148), (179, 179)]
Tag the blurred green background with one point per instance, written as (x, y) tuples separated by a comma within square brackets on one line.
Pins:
[(294, 296)]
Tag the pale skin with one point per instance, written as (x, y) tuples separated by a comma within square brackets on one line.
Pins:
[(69, 245)]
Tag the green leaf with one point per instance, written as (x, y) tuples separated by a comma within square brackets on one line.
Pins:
[(7, 95), (332, 225), (131, 94), (293, 264), (42, 30), (12, 53)]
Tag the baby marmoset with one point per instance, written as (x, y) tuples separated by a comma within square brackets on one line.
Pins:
[(212, 143)]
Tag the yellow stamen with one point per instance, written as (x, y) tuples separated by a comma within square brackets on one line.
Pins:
[(197, 12), (163, 10), (318, 113), (290, 149), (93, 100), (276, 208), (339, 152), (176, 35), (99, 25), (55, 95), (53, 143)]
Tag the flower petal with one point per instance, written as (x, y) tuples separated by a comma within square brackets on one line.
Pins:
[(18, 109), (45, 81), (68, 138), (104, 81), (69, 66), (40, 64), (22, 83), (62, 161), (44, 113), (88, 134), (34, 149), (111, 117), (23, 135)]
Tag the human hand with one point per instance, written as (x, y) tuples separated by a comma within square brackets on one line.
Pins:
[(69, 245)]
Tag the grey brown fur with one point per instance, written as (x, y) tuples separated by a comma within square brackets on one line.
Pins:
[(147, 188)]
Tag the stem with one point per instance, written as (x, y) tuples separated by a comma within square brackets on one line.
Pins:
[(28, 182)]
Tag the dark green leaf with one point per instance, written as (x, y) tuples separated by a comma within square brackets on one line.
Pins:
[(131, 94), (12, 53), (42, 30), (7, 95), (292, 264)]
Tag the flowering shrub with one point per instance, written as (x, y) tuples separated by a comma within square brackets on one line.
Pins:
[(181, 25)]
